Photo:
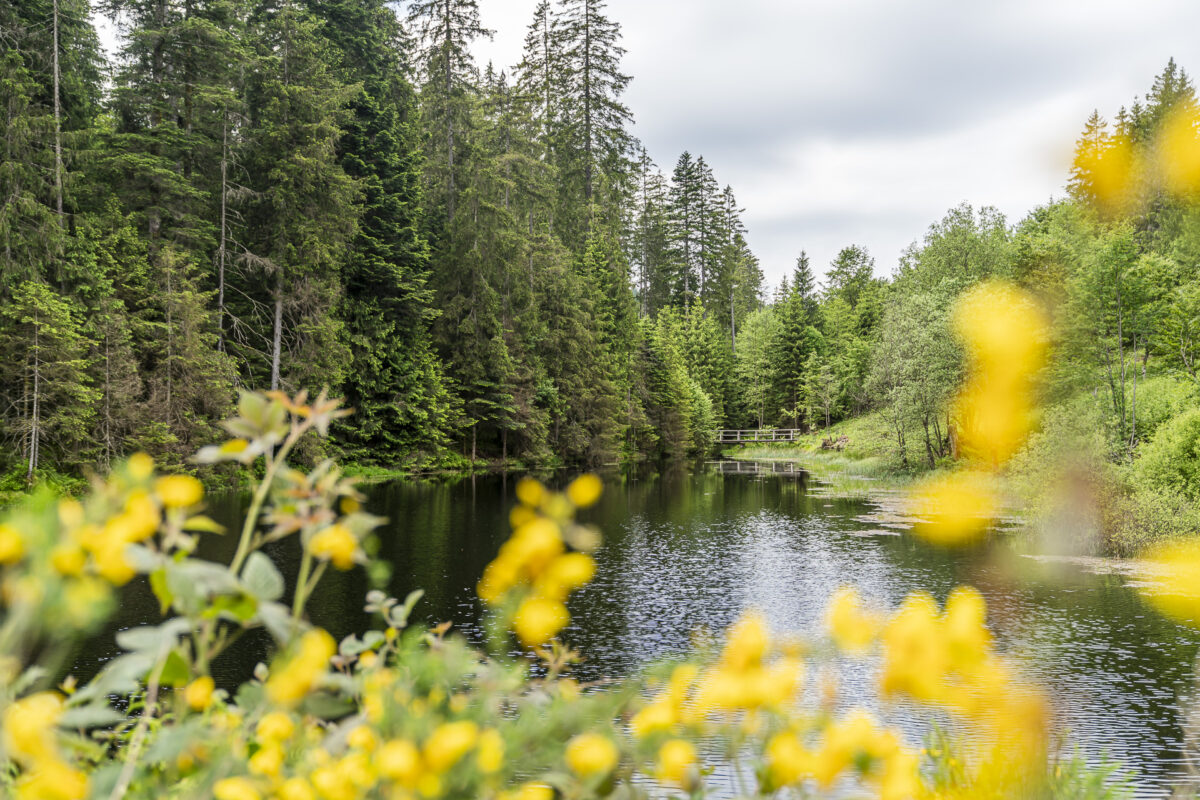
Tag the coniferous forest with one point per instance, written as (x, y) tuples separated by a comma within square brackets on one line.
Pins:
[(488, 265), (287, 195)]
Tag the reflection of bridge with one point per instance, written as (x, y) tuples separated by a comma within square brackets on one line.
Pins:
[(738, 467), (758, 436)]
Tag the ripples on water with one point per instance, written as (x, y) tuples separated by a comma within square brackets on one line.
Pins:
[(689, 551)]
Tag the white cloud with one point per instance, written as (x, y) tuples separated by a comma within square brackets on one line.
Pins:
[(840, 121)]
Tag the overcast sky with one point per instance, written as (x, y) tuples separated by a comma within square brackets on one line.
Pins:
[(863, 121)]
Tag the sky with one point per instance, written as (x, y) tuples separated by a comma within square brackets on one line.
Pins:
[(864, 121)]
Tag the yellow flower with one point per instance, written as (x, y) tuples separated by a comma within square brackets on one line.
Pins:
[(111, 564), (296, 789), (565, 574), (1179, 150), (29, 727), (52, 780), (747, 642), (448, 743), (534, 791), (139, 520), (788, 761), (491, 751), (141, 466), (852, 628), (267, 761), (11, 546), (335, 543), (538, 620), (400, 761), (530, 493), (658, 716), (68, 558), (363, 738), (235, 789), (70, 513), (87, 601), (198, 694), (584, 491), (1175, 588), (955, 509), (179, 491), (590, 754), (275, 727), (288, 685), (676, 763), (1108, 172)]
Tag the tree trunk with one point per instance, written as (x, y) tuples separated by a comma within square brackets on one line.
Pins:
[(35, 418), (58, 162), (277, 333), (221, 249)]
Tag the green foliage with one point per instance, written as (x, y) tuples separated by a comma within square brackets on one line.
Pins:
[(1170, 461)]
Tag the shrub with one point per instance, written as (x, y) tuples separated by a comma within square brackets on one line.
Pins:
[(1171, 460)]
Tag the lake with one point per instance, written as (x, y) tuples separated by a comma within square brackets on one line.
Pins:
[(690, 550)]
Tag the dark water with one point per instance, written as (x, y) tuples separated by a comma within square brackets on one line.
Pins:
[(691, 550)]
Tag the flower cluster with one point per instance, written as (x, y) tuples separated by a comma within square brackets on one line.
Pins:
[(407, 713), (535, 572), (1005, 336)]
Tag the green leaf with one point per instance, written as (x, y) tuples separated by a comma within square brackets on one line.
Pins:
[(176, 671), (261, 577), (158, 584), (93, 715), (398, 616)]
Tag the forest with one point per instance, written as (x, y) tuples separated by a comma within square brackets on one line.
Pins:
[(489, 267)]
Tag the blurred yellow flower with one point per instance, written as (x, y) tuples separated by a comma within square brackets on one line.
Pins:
[(141, 466), (530, 492), (1108, 171), (1175, 587), (676, 763), (29, 732), (585, 490), (199, 693), (1179, 150), (289, 684), (276, 727), (235, 789), (179, 491), (539, 620), (336, 544), (52, 780), (11, 546), (590, 755), (448, 743), (490, 757), (296, 789), (955, 509), (853, 628), (400, 761), (564, 575)]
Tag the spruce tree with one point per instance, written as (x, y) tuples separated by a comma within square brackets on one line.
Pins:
[(395, 380), (301, 209), (595, 143)]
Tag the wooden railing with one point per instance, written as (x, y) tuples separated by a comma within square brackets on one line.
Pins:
[(758, 436)]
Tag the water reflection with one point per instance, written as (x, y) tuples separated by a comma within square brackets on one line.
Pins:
[(689, 550)]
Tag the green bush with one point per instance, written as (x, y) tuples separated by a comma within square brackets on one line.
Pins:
[(1171, 460), (1161, 398)]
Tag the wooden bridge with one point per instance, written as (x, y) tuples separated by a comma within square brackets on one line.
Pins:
[(758, 436)]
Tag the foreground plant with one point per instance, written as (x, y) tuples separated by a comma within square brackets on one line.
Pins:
[(404, 712)]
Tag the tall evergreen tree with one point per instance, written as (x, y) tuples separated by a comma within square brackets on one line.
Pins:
[(596, 143)]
